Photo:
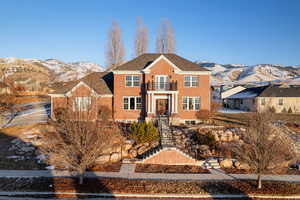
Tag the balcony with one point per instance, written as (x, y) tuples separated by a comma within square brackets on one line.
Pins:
[(162, 86)]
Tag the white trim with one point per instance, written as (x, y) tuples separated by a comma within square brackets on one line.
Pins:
[(194, 100), (57, 95), (69, 93), (158, 59), (132, 81), (127, 72), (162, 92), (195, 72), (135, 97), (191, 82), (96, 95)]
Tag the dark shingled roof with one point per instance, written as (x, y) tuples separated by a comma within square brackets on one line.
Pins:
[(145, 60), (281, 91), (248, 93), (101, 82), (268, 91)]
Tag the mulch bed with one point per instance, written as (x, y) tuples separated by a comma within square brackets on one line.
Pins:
[(180, 169), (235, 171), (146, 186), (110, 167)]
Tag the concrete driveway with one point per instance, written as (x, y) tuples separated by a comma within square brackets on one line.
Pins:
[(30, 113)]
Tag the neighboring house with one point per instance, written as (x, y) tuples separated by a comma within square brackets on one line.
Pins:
[(231, 91), (279, 98), (143, 88)]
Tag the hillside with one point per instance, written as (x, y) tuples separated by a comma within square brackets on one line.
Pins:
[(241, 74), (34, 74)]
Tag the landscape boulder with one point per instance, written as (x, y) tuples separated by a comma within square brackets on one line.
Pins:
[(103, 159), (244, 166), (115, 157), (227, 163)]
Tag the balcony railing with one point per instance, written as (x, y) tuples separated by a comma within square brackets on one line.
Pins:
[(162, 86)]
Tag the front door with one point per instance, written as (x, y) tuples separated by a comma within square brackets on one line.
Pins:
[(162, 106)]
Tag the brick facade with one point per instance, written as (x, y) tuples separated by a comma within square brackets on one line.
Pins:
[(150, 98)]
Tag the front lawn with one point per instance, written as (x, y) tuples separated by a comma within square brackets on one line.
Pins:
[(106, 185)]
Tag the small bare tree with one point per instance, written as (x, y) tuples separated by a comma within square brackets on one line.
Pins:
[(141, 38), (165, 42), (80, 136), (115, 50), (263, 148), (207, 115), (8, 95)]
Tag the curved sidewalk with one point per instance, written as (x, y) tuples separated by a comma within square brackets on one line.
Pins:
[(149, 176)]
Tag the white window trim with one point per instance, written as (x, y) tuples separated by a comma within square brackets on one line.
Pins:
[(78, 107), (191, 85), (194, 103), (132, 85), (135, 104)]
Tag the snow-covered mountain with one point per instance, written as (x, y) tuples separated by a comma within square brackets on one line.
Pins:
[(55, 69), (241, 74)]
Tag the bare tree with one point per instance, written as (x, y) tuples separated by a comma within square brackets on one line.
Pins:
[(115, 49), (165, 42), (8, 95), (141, 38), (80, 136), (263, 148), (207, 115)]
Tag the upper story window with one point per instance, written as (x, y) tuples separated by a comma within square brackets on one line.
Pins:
[(263, 102), (132, 80), (191, 81), (81, 103), (191, 103), (280, 102), (132, 103)]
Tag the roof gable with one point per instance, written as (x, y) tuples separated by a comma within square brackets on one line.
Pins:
[(143, 62), (147, 69)]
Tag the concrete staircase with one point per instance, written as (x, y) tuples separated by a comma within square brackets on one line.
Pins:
[(211, 164)]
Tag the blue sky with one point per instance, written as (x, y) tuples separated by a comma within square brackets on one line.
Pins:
[(222, 31)]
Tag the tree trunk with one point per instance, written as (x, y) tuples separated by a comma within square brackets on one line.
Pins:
[(81, 175), (259, 181)]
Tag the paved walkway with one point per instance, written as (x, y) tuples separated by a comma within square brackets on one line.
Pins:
[(127, 174)]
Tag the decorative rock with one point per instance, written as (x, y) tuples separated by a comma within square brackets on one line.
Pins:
[(115, 157), (244, 166), (236, 164), (103, 159), (227, 163), (132, 153), (203, 147), (142, 150)]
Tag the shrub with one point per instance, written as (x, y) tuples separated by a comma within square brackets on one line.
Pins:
[(206, 139), (144, 132), (104, 113), (272, 109), (290, 110), (59, 114)]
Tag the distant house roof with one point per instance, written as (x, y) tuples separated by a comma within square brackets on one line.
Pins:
[(100, 82), (268, 91), (281, 91), (144, 60), (248, 93)]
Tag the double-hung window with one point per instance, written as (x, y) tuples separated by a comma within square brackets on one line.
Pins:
[(132, 80), (81, 103), (263, 102), (191, 81), (191, 103), (280, 102), (132, 103)]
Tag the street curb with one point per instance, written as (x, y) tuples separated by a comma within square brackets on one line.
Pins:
[(174, 196)]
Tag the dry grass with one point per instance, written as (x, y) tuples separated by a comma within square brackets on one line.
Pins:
[(31, 99)]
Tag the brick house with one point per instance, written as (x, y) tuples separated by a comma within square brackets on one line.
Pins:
[(141, 89)]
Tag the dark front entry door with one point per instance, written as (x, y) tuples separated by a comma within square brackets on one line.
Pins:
[(162, 106)]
